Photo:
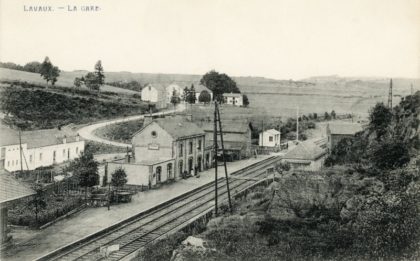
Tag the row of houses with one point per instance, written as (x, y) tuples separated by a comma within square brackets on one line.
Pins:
[(40, 148), (161, 94)]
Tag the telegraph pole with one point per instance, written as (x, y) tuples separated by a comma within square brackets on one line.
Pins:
[(218, 122), (390, 95), (262, 134), (297, 123), (20, 150), (215, 158)]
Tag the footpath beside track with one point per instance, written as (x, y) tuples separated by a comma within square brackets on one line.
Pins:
[(143, 228)]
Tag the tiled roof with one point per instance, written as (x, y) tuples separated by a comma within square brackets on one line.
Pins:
[(11, 189), (36, 139), (228, 137), (8, 136), (306, 150), (233, 126), (232, 95), (344, 128), (178, 127), (272, 131), (157, 86)]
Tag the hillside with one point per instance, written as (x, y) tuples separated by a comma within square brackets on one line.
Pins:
[(66, 79), (322, 85), (31, 106)]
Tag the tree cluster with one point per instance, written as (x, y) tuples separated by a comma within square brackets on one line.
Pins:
[(219, 83), (92, 80), (189, 94), (33, 67), (387, 143), (49, 72), (131, 85)]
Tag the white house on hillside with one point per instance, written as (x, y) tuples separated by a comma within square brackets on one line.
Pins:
[(269, 138), (233, 99), (154, 93), (40, 148)]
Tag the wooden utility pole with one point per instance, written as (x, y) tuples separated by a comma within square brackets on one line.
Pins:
[(219, 131), (297, 123), (280, 133), (215, 146), (20, 152), (262, 134), (390, 95)]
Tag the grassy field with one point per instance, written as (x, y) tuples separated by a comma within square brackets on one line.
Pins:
[(65, 80)]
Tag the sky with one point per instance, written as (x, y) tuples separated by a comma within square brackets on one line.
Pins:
[(281, 39)]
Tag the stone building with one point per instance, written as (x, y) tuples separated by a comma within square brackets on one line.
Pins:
[(164, 149), (308, 155), (339, 131)]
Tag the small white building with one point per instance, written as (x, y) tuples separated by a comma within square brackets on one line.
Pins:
[(269, 138), (39, 148), (233, 99), (307, 155), (154, 93)]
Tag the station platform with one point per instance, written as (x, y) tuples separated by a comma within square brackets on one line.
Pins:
[(31, 244)]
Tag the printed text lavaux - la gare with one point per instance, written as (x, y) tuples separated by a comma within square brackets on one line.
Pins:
[(69, 8)]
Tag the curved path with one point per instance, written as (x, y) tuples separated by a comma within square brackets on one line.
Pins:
[(88, 132)]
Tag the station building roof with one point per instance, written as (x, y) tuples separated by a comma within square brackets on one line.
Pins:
[(11, 189), (306, 150), (272, 132), (37, 138), (344, 128)]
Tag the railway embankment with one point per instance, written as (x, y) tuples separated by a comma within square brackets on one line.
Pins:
[(299, 216)]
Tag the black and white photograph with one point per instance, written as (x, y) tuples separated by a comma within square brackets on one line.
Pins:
[(184, 130)]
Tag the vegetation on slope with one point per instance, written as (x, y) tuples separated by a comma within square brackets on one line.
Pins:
[(121, 132), (33, 107)]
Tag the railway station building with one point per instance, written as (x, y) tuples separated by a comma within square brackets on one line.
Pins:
[(164, 149), (308, 155), (338, 131), (236, 139)]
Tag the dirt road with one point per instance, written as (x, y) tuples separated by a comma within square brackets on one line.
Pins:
[(88, 132)]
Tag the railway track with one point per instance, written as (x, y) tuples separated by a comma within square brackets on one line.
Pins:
[(138, 231)]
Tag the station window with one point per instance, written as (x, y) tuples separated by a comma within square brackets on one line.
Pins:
[(40, 156), (270, 138), (199, 144), (8, 163), (77, 150), (64, 152), (30, 158), (181, 149), (190, 150)]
